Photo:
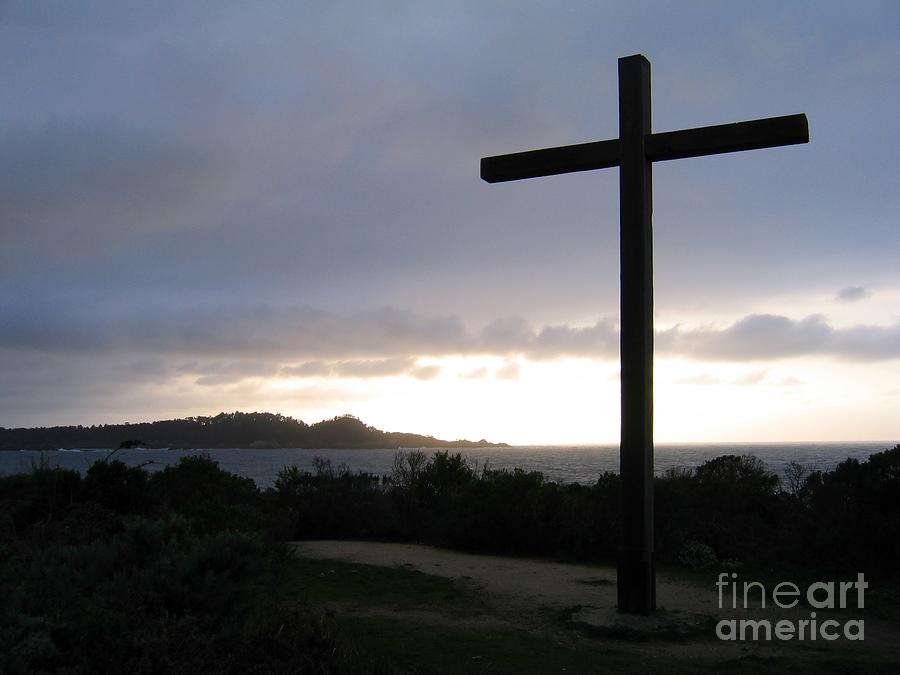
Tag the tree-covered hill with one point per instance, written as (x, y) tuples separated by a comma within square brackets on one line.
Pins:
[(225, 430)]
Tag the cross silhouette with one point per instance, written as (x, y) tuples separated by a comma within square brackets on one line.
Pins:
[(634, 153)]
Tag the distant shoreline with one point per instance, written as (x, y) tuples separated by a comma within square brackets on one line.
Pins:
[(253, 431), (466, 445), (492, 446), (562, 464)]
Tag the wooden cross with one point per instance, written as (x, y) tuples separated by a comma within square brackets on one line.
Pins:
[(634, 153)]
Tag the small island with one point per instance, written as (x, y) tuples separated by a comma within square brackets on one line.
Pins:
[(256, 430)]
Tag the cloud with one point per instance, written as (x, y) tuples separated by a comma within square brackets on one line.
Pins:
[(758, 336), (509, 371), (853, 294), (318, 397), (218, 373), (92, 183), (364, 369), (499, 335), (702, 378), (386, 341), (751, 378), (866, 343), (257, 162), (599, 340), (373, 367), (260, 330), (426, 372), (514, 335), (754, 377), (475, 373), (761, 337), (308, 369)]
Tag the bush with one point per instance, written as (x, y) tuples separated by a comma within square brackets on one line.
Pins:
[(697, 556), (213, 498), (118, 487), (850, 517), (729, 503), (331, 504), (33, 500), (118, 572), (138, 601)]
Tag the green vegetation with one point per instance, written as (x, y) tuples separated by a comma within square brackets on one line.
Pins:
[(357, 585), (121, 572), (728, 513), (409, 622), (226, 430), (186, 570), (450, 649)]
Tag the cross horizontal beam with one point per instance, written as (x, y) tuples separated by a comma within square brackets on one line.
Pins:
[(550, 161), (753, 135)]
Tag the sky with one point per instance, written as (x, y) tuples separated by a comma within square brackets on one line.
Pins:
[(276, 206)]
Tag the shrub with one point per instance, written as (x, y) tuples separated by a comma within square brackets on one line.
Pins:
[(117, 487), (697, 556), (37, 498), (331, 504), (104, 591), (215, 499)]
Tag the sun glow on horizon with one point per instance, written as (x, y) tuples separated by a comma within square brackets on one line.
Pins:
[(760, 395), (571, 401), (576, 401)]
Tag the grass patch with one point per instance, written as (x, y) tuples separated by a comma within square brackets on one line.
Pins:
[(405, 621), (404, 646), (370, 586), (807, 664)]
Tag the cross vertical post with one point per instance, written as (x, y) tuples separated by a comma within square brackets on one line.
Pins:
[(636, 579), (634, 153)]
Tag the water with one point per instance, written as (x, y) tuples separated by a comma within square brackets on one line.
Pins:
[(559, 463)]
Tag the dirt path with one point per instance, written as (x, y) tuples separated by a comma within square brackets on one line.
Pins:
[(516, 581), (527, 588)]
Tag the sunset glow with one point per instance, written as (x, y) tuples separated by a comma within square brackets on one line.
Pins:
[(280, 210)]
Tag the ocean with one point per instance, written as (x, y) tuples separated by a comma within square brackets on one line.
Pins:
[(567, 464)]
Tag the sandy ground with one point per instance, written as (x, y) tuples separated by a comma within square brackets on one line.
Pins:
[(587, 594), (512, 581)]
